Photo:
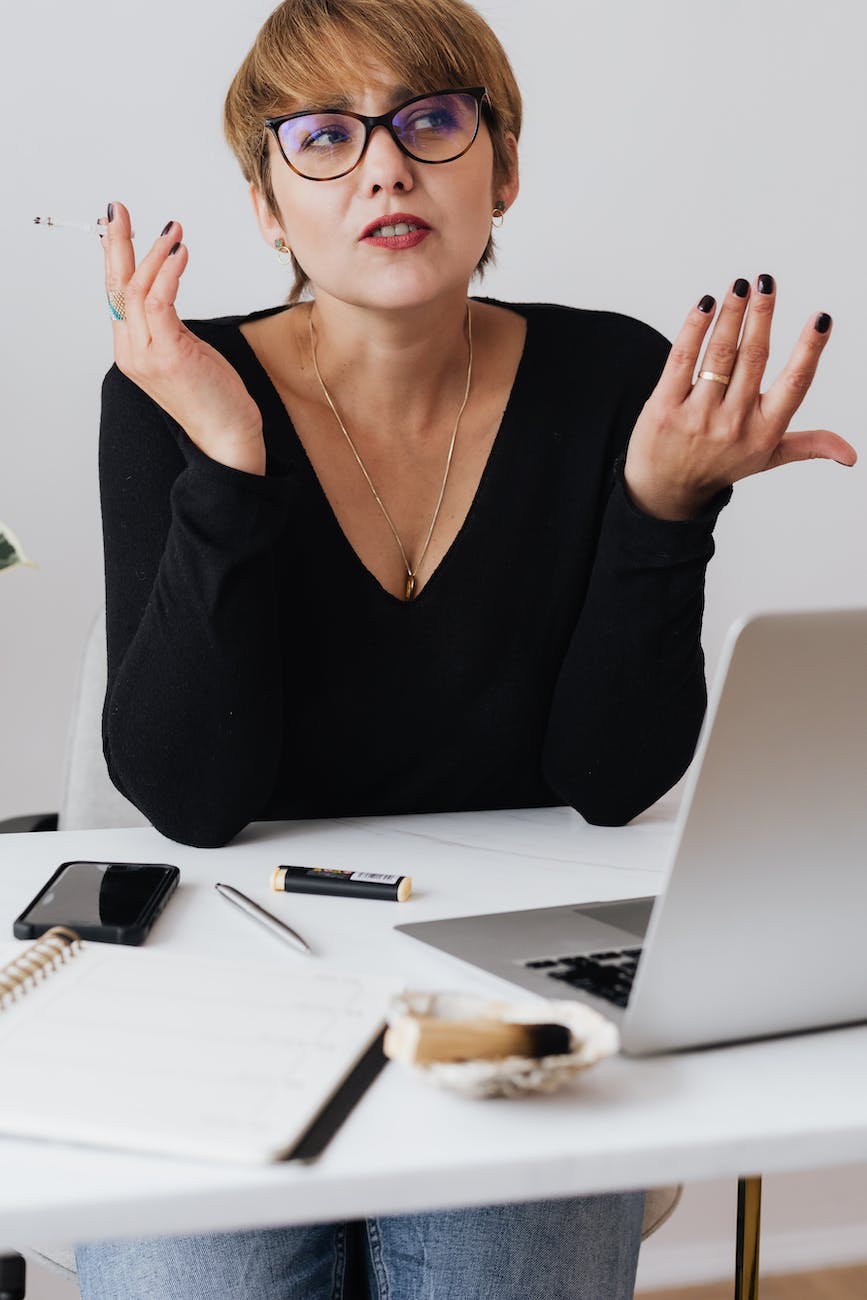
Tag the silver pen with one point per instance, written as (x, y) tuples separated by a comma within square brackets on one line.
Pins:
[(266, 919)]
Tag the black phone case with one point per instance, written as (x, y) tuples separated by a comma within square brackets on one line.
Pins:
[(129, 934)]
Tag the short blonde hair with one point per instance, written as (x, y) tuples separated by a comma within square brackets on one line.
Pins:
[(308, 52)]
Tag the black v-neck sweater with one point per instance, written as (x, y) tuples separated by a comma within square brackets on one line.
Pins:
[(257, 670)]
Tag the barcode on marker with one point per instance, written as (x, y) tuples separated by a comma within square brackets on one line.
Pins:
[(375, 877)]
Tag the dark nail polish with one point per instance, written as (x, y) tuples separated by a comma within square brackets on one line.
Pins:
[(741, 287), (110, 211), (174, 249), (707, 303), (166, 228), (766, 284), (823, 323)]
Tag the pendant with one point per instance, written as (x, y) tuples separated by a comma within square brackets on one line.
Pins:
[(410, 586)]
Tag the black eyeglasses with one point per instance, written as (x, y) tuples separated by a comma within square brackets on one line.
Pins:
[(436, 128)]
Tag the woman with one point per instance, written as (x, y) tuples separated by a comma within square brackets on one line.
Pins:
[(393, 550)]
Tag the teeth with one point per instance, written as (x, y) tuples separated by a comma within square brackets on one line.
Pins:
[(386, 232)]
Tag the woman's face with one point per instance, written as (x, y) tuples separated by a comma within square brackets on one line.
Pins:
[(324, 222)]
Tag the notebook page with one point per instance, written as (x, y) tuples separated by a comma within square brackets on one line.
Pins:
[(152, 1051)]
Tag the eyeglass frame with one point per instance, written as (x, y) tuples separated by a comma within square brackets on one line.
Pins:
[(478, 93)]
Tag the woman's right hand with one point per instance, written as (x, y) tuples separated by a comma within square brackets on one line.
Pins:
[(189, 379)]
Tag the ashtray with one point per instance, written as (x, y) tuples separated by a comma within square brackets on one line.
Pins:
[(591, 1038)]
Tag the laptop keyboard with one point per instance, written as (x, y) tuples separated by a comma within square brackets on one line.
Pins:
[(606, 975)]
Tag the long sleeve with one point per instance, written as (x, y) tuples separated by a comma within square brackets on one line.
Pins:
[(630, 697), (193, 718)]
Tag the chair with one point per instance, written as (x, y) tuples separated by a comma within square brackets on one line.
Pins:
[(89, 801)]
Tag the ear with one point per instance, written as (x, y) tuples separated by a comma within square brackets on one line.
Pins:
[(268, 224), (507, 190)]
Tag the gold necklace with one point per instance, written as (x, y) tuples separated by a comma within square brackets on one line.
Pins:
[(411, 571)]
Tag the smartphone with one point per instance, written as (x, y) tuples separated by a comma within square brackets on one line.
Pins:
[(109, 902)]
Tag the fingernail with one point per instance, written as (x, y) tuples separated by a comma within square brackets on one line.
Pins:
[(174, 249), (110, 211), (741, 287), (766, 284), (166, 228), (823, 323), (707, 303)]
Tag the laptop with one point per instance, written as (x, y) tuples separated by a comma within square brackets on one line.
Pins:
[(761, 927)]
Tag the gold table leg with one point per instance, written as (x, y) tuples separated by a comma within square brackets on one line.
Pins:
[(747, 1247)]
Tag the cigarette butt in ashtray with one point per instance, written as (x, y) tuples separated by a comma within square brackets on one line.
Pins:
[(419, 1040)]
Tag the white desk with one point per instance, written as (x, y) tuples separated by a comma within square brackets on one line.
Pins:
[(783, 1105)]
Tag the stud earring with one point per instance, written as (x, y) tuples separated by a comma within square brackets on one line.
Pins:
[(498, 213), (284, 252)]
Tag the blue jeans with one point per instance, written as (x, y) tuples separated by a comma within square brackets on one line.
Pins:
[(577, 1249)]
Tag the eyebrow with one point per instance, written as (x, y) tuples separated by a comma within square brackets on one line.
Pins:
[(343, 104)]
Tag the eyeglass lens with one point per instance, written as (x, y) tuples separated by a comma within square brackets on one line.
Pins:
[(437, 129)]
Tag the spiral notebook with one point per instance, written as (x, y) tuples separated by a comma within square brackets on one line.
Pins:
[(150, 1051)]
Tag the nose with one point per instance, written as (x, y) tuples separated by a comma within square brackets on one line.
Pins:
[(385, 166)]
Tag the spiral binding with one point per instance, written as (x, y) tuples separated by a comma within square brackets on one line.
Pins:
[(56, 947)]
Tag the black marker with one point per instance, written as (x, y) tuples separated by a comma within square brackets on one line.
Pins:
[(331, 880)]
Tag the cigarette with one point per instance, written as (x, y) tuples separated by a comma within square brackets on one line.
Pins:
[(83, 226)]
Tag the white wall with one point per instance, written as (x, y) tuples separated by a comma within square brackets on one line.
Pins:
[(669, 147)]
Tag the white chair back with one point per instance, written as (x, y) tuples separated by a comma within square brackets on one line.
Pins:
[(89, 800)]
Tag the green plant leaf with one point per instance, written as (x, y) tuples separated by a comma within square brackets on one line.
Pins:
[(11, 550)]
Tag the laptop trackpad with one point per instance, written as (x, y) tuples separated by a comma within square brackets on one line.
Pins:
[(631, 914), (596, 927), (498, 941)]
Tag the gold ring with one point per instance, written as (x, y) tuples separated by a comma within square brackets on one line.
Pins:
[(709, 374), (116, 304)]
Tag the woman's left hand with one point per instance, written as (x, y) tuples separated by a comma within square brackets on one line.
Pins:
[(692, 439)]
